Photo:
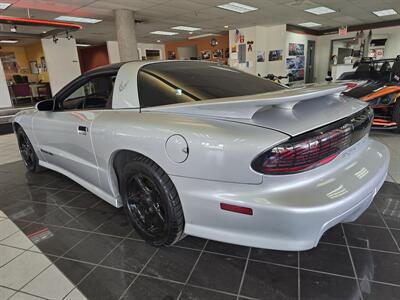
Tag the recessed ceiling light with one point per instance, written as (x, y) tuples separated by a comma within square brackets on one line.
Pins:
[(83, 45), (385, 12), (78, 19), (237, 7), (4, 5), (321, 10), (8, 41), (309, 24), (159, 32), (186, 28), (226, 26), (158, 41)]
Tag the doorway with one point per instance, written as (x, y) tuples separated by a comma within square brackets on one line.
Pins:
[(310, 62), (187, 52)]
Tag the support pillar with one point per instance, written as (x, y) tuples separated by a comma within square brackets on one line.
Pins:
[(126, 34)]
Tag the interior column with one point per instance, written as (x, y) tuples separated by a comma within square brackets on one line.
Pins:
[(126, 34)]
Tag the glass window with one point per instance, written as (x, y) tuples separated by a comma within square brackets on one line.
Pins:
[(93, 94), (177, 82)]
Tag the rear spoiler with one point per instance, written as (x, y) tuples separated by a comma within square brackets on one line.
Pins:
[(245, 107)]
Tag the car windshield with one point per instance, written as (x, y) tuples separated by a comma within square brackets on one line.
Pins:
[(177, 82)]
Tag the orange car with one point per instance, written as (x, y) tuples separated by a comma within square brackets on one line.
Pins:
[(382, 94)]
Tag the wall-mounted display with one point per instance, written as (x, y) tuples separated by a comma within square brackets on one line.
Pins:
[(242, 54), (206, 54), (9, 62), (295, 62), (260, 55), (250, 46), (296, 75), (296, 49), (275, 55)]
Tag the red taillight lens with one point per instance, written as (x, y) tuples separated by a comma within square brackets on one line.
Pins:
[(314, 149), (351, 85)]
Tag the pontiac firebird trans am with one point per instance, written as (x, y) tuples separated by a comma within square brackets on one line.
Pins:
[(197, 148)]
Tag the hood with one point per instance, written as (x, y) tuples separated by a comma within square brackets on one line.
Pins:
[(291, 111)]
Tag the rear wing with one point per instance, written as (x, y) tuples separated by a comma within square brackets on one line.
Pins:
[(245, 107)]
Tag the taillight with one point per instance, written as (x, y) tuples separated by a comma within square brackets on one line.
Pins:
[(350, 85), (314, 149)]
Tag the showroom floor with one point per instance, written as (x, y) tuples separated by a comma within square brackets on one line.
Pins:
[(77, 244)]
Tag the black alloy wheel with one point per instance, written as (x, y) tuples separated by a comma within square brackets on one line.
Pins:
[(151, 202), (144, 204), (27, 151)]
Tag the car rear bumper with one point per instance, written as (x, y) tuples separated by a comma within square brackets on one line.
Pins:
[(290, 212)]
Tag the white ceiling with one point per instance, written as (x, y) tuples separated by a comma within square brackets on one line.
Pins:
[(164, 14)]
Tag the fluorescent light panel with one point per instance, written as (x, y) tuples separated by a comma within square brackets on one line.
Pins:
[(77, 19), (321, 10), (83, 45), (237, 7), (309, 24), (186, 28), (159, 32), (385, 12), (8, 41), (4, 5)]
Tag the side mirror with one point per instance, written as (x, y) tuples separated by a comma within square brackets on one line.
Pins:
[(45, 105)]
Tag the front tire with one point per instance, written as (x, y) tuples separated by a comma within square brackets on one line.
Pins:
[(27, 151), (396, 115), (151, 202)]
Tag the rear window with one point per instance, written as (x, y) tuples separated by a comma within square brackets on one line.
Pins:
[(177, 82)]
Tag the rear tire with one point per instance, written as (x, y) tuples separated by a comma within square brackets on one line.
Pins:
[(396, 115), (27, 151), (151, 202)]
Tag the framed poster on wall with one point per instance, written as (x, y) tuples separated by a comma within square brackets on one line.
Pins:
[(296, 49)]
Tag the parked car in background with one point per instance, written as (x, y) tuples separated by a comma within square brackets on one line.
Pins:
[(198, 148)]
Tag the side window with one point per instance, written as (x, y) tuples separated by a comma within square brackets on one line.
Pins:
[(154, 91), (93, 94)]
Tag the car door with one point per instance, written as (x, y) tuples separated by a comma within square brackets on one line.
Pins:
[(64, 135)]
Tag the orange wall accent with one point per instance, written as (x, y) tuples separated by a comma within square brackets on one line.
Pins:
[(202, 45), (93, 57)]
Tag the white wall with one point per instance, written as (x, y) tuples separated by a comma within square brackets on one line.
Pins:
[(267, 39), (113, 51), (62, 62), (5, 100), (323, 46)]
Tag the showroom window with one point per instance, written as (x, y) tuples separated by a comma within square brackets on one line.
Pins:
[(159, 84)]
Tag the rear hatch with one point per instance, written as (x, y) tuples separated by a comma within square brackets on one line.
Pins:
[(293, 111)]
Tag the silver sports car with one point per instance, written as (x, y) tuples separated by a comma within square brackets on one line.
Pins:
[(197, 148)]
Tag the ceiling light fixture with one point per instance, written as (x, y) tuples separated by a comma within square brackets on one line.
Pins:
[(186, 28), (158, 41), (83, 45), (159, 32), (8, 41), (226, 26), (4, 5), (237, 7), (202, 36), (385, 12), (321, 10), (78, 19), (309, 24)]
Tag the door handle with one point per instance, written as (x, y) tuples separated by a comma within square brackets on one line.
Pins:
[(83, 130)]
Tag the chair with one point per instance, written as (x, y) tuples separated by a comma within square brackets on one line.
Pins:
[(22, 91), (44, 91)]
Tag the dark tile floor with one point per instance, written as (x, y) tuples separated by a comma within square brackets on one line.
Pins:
[(93, 244)]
